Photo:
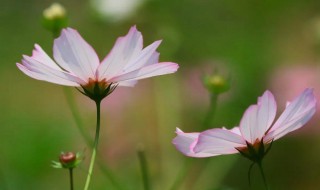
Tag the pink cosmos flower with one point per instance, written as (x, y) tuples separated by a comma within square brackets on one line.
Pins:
[(77, 64), (257, 128)]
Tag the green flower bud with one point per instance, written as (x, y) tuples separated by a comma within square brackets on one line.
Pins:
[(55, 18), (216, 84), (55, 11)]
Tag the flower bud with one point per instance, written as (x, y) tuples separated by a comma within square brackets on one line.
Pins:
[(55, 11), (54, 18), (68, 160), (216, 84)]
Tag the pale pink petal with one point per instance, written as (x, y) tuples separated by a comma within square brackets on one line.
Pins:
[(248, 123), (294, 116), (219, 141), (258, 118), (147, 56), (184, 142), (147, 71), (42, 57), (40, 71), (130, 83), (267, 109), (152, 60), (75, 55), (122, 52)]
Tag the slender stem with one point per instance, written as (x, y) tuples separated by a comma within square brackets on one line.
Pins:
[(95, 146), (263, 175), (144, 168), (71, 178), (74, 110), (210, 114)]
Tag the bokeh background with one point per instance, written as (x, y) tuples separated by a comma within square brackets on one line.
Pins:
[(258, 44)]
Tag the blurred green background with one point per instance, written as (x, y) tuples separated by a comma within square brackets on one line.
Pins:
[(258, 44)]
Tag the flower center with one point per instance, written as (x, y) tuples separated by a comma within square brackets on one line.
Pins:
[(97, 90), (256, 151)]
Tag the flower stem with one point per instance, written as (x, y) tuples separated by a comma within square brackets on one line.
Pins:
[(263, 175), (71, 178), (95, 146), (144, 168), (74, 110), (210, 114)]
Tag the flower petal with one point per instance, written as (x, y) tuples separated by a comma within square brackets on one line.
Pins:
[(296, 114), (219, 141), (185, 142), (147, 56), (152, 60), (41, 71), (42, 57), (130, 83), (258, 118), (122, 52), (147, 71), (75, 55), (248, 123)]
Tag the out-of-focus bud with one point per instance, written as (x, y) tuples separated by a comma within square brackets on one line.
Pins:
[(68, 160), (216, 84), (54, 11), (55, 18)]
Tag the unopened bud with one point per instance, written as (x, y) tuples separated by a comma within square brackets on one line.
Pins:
[(68, 160), (55, 11), (55, 19), (216, 84)]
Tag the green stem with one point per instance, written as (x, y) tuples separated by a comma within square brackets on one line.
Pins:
[(71, 178), (95, 146), (72, 105), (263, 175), (210, 114), (144, 168)]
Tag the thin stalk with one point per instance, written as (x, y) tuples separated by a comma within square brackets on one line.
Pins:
[(95, 146), (210, 114), (71, 178), (144, 168), (105, 170), (263, 175)]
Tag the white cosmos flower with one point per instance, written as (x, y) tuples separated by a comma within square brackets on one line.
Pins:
[(77, 64)]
